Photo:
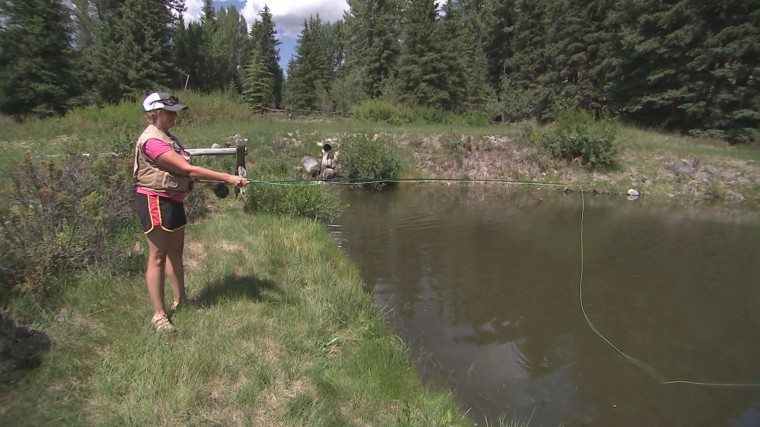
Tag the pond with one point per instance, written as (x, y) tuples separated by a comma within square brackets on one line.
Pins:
[(534, 304)]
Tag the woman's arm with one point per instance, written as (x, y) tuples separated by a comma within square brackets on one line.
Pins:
[(177, 165)]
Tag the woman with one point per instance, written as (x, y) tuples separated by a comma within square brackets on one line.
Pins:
[(164, 177)]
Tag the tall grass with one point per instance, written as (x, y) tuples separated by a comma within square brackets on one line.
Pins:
[(381, 110), (654, 141)]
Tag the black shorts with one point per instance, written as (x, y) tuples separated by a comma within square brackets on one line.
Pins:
[(156, 211)]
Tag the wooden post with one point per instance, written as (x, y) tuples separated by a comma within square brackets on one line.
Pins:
[(240, 168), (239, 151)]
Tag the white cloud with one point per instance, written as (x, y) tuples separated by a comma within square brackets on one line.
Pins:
[(288, 15), (193, 10)]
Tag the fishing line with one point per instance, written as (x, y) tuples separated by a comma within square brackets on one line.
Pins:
[(650, 370)]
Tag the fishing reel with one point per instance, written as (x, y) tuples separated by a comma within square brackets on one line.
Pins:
[(221, 190)]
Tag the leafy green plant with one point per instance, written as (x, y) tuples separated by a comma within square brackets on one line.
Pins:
[(378, 110), (455, 144), (364, 157), (289, 196), (62, 216), (578, 134), (310, 200)]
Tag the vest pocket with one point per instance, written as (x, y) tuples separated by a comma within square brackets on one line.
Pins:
[(178, 184)]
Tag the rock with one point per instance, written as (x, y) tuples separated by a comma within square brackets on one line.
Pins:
[(633, 193), (310, 165), (236, 140), (20, 349), (712, 170), (681, 167)]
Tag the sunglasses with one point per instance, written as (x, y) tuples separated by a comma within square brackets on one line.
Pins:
[(172, 100)]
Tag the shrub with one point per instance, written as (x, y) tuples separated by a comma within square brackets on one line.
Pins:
[(377, 110), (70, 212), (62, 216), (307, 199), (362, 157), (291, 196), (577, 134)]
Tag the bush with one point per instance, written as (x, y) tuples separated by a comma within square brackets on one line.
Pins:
[(577, 134), (67, 214), (362, 157), (377, 110), (62, 216), (291, 196)]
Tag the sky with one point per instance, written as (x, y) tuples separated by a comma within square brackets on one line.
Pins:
[(288, 16)]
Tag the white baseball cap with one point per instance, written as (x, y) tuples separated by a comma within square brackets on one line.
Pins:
[(162, 100)]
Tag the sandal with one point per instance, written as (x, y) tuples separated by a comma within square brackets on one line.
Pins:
[(163, 324), (177, 306)]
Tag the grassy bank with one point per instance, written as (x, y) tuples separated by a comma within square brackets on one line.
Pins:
[(721, 171), (281, 333)]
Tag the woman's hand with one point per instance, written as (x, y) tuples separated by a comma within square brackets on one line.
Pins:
[(235, 180)]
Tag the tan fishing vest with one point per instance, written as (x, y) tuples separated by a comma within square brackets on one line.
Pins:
[(149, 175)]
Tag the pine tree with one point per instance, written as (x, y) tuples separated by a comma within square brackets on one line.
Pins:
[(334, 42), (229, 45), (36, 72), (601, 50), (422, 72), (372, 46), (257, 83), (497, 28), (85, 23), (308, 70), (208, 12), (725, 90), (570, 52), (264, 44), (132, 54), (660, 39), (191, 47), (343, 93), (454, 54), (478, 92), (521, 91), (209, 68)]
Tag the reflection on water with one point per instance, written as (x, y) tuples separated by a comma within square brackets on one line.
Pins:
[(483, 282)]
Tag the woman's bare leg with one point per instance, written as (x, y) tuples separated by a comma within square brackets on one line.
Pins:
[(175, 268), (158, 247)]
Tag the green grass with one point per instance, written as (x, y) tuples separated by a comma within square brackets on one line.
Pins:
[(651, 142), (282, 333)]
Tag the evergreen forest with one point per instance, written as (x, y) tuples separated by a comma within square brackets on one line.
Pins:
[(689, 66)]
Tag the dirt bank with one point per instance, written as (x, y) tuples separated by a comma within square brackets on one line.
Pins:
[(501, 157)]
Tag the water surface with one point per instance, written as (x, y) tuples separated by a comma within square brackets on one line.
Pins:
[(484, 283)]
